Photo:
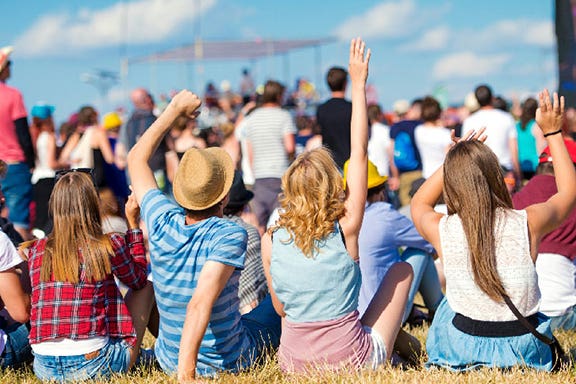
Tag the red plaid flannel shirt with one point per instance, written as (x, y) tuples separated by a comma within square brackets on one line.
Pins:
[(87, 309)]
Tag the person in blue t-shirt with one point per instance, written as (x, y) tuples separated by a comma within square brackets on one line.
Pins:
[(196, 258)]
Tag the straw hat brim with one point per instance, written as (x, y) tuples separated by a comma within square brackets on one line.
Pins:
[(203, 178)]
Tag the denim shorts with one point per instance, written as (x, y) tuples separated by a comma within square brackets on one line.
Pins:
[(17, 350), (113, 358), (263, 326), (17, 190)]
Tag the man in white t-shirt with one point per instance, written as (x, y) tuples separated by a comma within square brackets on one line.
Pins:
[(500, 130)]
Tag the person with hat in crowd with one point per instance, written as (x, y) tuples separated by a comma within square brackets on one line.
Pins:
[(386, 238), (16, 149), (253, 287), (556, 263), (46, 166), (196, 258)]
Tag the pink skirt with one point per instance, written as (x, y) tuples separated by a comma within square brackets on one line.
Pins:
[(340, 343)]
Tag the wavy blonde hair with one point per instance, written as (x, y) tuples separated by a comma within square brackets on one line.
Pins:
[(312, 199), (74, 206)]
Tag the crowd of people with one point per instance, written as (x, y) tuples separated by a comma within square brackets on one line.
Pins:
[(231, 227)]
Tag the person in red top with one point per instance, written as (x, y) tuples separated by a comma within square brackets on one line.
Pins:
[(80, 326), (16, 149), (556, 264)]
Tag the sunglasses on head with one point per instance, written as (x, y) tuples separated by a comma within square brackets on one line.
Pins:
[(60, 173)]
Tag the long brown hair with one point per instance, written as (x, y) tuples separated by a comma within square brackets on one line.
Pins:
[(474, 188), (312, 199), (76, 242)]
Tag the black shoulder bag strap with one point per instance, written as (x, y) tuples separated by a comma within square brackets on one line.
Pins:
[(559, 357)]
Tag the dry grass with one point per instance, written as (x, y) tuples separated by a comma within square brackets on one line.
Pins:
[(270, 373)]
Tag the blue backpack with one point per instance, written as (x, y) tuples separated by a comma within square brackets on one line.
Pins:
[(404, 153)]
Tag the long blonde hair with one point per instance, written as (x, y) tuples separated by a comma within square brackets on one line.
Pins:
[(474, 188), (76, 242), (312, 199)]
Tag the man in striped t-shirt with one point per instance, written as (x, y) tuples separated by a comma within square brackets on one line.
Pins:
[(196, 258), (270, 142)]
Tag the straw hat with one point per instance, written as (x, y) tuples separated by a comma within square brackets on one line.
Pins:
[(374, 178), (203, 178)]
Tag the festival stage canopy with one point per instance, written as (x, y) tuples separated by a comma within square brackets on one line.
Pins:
[(231, 50)]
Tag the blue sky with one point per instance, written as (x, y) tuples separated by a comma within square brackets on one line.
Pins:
[(418, 45)]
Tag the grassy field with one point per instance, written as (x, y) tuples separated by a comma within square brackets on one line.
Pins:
[(270, 373)]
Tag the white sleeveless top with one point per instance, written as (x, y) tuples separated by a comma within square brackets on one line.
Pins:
[(42, 170), (513, 263)]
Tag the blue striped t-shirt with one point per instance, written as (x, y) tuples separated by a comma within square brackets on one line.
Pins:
[(178, 253)]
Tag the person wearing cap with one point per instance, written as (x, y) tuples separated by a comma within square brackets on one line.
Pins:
[(16, 149), (196, 257), (384, 233), (556, 263), (46, 166), (253, 287)]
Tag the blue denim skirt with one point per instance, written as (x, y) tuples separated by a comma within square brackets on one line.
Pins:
[(112, 358), (450, 348)]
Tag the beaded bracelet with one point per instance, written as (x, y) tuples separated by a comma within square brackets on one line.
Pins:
[(552, 133)]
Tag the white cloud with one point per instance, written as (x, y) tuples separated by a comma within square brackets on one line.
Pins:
[(387, 19), (509, 33), (468, 64), (432, 40), (135, 22)]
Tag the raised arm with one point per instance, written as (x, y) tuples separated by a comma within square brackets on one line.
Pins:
[(545, 217), (425, 218), (141, 175), (358, 166), (211, 282)]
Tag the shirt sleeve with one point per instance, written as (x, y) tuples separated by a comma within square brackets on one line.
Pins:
[(289, 127), (18, 108), (129, 260), (9, 256), (158, 212), (407, 235), (229, 246)]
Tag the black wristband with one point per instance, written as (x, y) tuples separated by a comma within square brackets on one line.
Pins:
[(552, 133)]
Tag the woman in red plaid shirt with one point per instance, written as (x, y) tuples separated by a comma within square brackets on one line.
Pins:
[(81, 328)]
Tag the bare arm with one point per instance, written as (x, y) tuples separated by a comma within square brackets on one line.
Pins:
[(266, 252), (545, 217), (141, 175), (394, 181), (513, 148), (16, 302), (211, 282), (290, 145), (104, 145), (358, 165)]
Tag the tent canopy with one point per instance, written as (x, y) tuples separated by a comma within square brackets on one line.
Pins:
[(231, 50)]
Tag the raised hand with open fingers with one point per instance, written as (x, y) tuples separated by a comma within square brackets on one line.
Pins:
[(358, 65), (549, 115)]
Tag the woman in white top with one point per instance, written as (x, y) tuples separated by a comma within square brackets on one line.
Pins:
[(488, 250), (432, 138), (45, 168)]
